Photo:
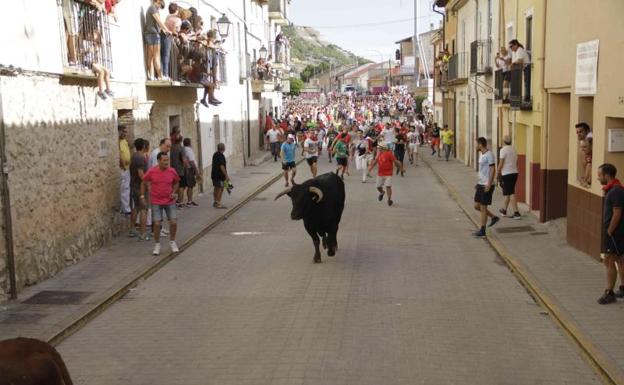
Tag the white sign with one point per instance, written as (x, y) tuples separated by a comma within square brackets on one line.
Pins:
[(616, 140), (102, 150), (586, 67)]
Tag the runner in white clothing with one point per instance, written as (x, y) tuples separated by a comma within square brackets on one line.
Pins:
[(413, 140)]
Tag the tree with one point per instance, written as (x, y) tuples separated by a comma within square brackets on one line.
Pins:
[(295, 86), (419, 101)]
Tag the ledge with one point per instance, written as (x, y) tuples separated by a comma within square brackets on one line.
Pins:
[(171, 83)]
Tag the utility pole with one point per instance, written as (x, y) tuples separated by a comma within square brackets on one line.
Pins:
[(416, 45)]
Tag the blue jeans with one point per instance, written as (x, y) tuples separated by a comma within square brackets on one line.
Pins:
[(165, 53)]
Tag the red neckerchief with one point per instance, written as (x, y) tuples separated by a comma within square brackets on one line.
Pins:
[(613, 183)]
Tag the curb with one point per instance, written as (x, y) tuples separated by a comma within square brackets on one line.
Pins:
[(608, 372), (100, 307)]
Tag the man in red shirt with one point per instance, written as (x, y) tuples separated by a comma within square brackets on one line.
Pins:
[(164, 182), (385, 160)]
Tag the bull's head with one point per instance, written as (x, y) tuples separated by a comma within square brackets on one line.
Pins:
[(303, 197)]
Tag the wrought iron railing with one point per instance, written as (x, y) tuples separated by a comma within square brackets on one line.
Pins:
[(458, 67), (194, 62), (87, 36), (520, 87), (498, 85)]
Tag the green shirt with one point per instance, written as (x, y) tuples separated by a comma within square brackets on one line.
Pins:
[(341, 150)]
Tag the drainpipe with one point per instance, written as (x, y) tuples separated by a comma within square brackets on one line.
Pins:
[(433, 8), (545, 125), (6, 204), (246, 160), (475, 84)]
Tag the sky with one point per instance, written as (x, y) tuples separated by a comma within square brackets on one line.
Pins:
[(340, 22)]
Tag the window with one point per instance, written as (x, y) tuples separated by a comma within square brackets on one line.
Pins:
[(529, 33), (174, 121), (585, 145)]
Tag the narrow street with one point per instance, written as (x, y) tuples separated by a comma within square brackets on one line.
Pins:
[(410, 298)]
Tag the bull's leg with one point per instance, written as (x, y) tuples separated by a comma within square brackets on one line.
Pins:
[(325, 241), (332, 242), (316, 240)]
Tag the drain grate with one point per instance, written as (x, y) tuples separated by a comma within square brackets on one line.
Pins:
[(20, 318), (515, 229), (57, 297)]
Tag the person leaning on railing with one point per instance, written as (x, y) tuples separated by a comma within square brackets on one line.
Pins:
[(153, 27), (173, 22)]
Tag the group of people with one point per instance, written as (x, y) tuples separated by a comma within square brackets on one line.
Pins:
[(155, 183), (179, 47)]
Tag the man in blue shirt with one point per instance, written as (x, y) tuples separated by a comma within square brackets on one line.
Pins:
[(287, 154)]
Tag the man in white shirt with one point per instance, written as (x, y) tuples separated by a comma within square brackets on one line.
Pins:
[(520, 59), (508, 176), (311, 151), (388, 135), (485, 186), (273, 135)]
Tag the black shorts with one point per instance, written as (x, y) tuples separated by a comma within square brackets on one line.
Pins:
[(135, 200), (182, 178), (612, 245), (508, 183), (218, 183), (507, 75), (312, 160), (483, 197), (289, 166), (189, 178), (342, 161)]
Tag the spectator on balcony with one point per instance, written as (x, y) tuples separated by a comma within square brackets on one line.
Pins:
[(520, 59), (503, 63), (173, 24), (92, 52), (71, 30), (153, 26), (279, 48), (586, 148)]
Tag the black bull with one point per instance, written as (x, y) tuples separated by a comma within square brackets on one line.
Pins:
[(319, 202)]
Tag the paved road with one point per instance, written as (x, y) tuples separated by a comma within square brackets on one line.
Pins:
[(410, 298)]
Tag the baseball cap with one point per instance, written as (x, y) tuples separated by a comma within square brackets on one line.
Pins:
[(291, 136)]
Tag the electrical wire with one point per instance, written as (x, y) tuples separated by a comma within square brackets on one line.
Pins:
[(369, 24)]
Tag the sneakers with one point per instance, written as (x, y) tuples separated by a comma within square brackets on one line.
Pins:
[(132, 233), (164, 233), (102, 95), (174, 246), (503, 211), (494, 221), (516, 215), (479, 234), (380, 197), (620, 292), (144, 237), (204, 103), (156, 249), (390, 202), (192, 204), (607, 298), (109, 93)]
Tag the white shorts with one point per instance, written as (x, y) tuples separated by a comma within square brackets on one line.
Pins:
[(384, 181), (413, 147)]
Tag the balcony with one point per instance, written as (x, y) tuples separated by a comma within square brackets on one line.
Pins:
[(278, 11), (191, 64), (441, 78), (520, 97), (281, 55), (86, 31), (480, 57), (458, 68), (262, 79)]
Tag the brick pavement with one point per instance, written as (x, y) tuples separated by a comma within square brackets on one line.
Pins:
[(569, 279), (114, 266), (410, 298)]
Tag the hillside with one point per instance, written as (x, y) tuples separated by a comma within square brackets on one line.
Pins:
[(308, 47)]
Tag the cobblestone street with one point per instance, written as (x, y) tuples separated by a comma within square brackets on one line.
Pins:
[(410, 298)]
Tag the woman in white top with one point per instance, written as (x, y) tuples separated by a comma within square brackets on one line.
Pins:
[(520, 59), (503, 62), (508, 176)]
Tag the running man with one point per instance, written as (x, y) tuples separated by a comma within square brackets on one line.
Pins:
[(311, 151), (331, 136), (413, 140), (287, 154), (342, 156), (386, 162)]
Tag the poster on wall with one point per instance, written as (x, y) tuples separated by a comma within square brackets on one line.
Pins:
[(586, 67)]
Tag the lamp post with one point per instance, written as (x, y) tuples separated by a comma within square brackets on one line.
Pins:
[(223, 25), (263, 52)]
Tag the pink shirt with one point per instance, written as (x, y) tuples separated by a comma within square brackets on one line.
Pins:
[(162, 184)]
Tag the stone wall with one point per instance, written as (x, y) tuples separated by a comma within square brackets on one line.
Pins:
[(63, 173)]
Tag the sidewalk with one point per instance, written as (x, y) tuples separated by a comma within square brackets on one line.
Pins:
[(78, 293), (566, 281)]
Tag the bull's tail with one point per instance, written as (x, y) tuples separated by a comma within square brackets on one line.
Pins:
[(58, 360)]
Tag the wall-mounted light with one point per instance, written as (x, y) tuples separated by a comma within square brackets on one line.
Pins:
[(223, 25)]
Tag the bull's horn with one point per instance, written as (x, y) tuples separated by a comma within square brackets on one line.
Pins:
[(283, 193), (317, 191)]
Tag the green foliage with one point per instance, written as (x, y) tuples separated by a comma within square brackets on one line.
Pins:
[(295, 86), (306, 51), (419, 101)]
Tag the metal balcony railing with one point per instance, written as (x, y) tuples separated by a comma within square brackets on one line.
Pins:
[(520, 93), (498, 85), (441, 77), (458, 67), (192, 61), (280, 52), (480, 57), (87, 36)]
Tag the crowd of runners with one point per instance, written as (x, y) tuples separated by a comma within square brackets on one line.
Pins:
[(385, 131)]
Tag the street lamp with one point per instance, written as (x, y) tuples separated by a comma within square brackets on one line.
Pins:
[(263, 52), (223, 24)]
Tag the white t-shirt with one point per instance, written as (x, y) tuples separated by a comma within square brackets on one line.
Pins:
[(189, 154), (510, 166), (273, 135), (311, 147), (388, 135), (413, 138), (520, 53), (485, 161)]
